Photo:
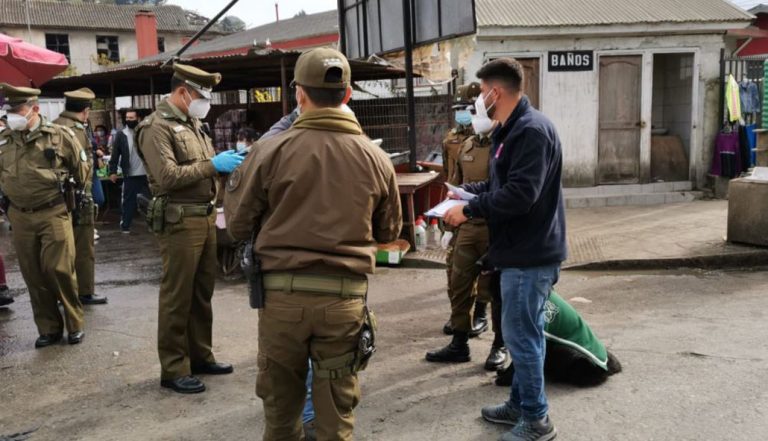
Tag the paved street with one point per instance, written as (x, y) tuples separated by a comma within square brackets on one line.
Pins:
[(692, 344)]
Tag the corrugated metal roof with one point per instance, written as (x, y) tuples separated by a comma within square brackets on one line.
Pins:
[(58, 15), (558, 13), (310, 25)]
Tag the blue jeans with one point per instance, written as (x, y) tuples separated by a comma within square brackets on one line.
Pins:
[(309, 409), (132, 187), (524, 291)]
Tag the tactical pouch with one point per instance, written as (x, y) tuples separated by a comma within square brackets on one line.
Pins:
[(174, 214), (367, 342), (351, 362), (85, 214), (156, 214)]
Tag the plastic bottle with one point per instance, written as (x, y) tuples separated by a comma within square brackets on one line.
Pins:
[(433, 235), (421, 236), (420, 221)]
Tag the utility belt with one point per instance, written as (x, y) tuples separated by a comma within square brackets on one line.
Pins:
[(343, 287), (160, 212), (346, 288), (46, 206)]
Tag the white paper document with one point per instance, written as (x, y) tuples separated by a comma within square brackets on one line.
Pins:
[(440, 209), (464, 195)]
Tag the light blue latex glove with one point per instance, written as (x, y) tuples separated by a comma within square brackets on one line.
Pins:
[(227, 161)]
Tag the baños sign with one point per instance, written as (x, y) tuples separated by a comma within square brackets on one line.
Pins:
[(571, 61)]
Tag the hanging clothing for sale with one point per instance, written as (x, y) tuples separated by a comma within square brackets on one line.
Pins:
[(752, 140), (726, 161), (749, 94), (732, 99)]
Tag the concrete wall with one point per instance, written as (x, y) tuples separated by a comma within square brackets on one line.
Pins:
[(82, 44), (571, 99)]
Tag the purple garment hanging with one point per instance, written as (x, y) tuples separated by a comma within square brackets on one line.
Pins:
[(726, 160)]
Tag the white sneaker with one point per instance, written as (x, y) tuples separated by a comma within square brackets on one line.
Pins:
[(96, 235)]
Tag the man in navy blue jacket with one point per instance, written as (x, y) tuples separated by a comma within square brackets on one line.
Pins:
[(522, 203)]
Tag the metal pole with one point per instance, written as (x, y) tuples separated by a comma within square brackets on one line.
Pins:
[(29, 22), (114, 103), (200, 33), (411, 103), (721, 92), (342, 27), (152, 91), (284, 86)]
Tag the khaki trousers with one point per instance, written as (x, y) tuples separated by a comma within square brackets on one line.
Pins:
[(467, 283), (85, 260), (293, 327), (45, 247), (185, 317)]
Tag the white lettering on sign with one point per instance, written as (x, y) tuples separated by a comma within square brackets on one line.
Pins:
[(571, 60)]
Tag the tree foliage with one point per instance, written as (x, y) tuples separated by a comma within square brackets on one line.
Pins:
[(231, 23)]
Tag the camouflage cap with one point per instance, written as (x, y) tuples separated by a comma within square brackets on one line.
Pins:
[(313, 66), (466, 94), (82, 94), (198, 79), (16, 96)]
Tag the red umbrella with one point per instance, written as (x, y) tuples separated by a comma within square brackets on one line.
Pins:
[(24, 64)]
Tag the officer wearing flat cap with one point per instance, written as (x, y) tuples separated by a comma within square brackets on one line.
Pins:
[(468, 286), (452, 144), (77, 108), (318, 198), (183, 177), (42, 166)]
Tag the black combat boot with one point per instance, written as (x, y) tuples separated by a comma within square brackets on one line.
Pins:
[(456, 352), (498, 356), (479, 320), (448, 328)]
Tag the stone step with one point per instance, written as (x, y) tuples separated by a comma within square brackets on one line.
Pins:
[(672, 197), (629, 189)]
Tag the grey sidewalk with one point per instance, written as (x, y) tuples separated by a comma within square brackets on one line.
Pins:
[(647, 237)]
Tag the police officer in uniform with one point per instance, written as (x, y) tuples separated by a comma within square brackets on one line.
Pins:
[(319, 197), (452, 144), (183, 177), (468, 282), (75, 117), (38, 159)]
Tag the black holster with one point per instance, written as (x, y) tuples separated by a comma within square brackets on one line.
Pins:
[(251, 266)]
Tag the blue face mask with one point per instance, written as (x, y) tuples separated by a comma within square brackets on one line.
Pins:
[(463, 117)]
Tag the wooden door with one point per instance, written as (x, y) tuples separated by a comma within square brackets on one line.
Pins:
[(531, 79), (620, 120)]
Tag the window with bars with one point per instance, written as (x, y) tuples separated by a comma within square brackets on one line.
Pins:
[(107, 48), (161, 44), (58, 43)]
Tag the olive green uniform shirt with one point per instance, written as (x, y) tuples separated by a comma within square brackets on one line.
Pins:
[(177, 155), (29, 177), (70, 121)]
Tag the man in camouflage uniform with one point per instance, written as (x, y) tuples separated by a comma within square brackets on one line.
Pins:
[(183, 177), (37, 160), (75, 117)]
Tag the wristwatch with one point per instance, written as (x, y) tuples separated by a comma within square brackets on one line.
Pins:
[(467, 211)]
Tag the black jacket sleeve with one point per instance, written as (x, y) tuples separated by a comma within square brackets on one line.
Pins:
[(527, 173), (121, 142)]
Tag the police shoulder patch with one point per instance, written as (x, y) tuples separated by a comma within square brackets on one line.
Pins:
[(234, 180), (83, 156)]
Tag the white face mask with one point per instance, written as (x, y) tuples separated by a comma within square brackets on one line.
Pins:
[(241, 145), (199, 108), (480, 109), (18, 122), (346, 109), (481, 124)]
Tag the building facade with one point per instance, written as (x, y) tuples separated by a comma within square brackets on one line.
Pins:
[(633, 89), (92, 35)]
